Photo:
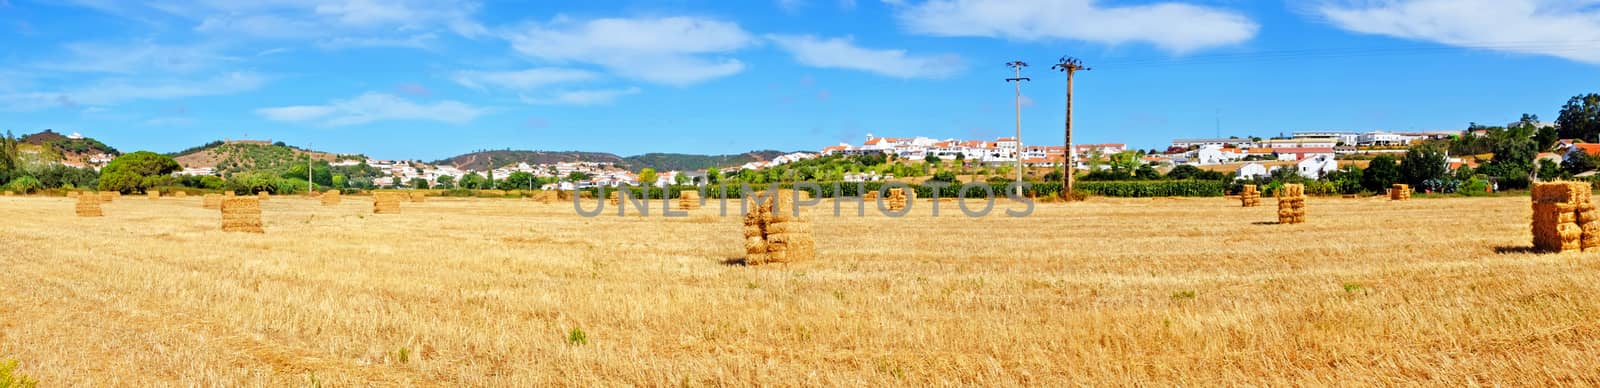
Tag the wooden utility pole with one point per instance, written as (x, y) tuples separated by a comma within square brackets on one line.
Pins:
[(1071, 66), (1017, 66)]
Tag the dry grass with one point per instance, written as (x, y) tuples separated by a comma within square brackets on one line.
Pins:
[(515, 293)]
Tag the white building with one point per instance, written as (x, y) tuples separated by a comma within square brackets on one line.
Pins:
[(1309, 142), (1348, 138), (1381, 139), (1252, 170), (1316, 167), (1233, 141)]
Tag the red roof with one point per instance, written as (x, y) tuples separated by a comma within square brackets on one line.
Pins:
[(1588, 148)]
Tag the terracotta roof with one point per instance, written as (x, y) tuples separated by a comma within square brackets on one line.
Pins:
[(1588, 148), (1303, 150)]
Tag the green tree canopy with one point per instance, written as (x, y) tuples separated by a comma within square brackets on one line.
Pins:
[(1380, 173), (137, 171), (647, 176), (1423, 163), (1580, 118)]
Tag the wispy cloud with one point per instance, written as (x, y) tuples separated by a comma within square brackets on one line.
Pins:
[(371, 107), (665, 50), (142, 57), (521, 79), (841, 53), (1561, 28), (336, 23), (1172, 26), (582, 97), (116, 91)]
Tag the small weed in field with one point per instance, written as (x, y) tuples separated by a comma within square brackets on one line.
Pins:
[(314, 383), (752, 285), (404, 355), (10, 379), (1352, 288), (577, 337), (1183, 295), (838, 294)]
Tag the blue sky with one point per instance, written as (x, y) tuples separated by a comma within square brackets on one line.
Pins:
[(430, 79)]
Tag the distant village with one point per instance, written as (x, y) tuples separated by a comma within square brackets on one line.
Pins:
[(1312, 153)]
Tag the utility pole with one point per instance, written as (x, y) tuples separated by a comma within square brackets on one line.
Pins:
[(1071, 66), (310, 174), (1017, 66)]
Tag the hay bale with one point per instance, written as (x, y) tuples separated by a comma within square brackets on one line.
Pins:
[(1292, 204), (263, 195), (212, 201), (331, 198), (1400, 192), (772, 236), (387, 202), (242, 215), (1564, 217), (108, 196), (89, 206), (688, 200), (1250, 196), (228, 194), (418, 196), (153, 194), (896, 199), (181, 194), (10, 193), (613, 199)]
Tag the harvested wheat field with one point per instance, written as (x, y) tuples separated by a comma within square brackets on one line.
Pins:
[(482, 292)]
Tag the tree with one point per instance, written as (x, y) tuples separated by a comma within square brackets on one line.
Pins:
[(944, 176), (1423, 163), (339, 181), (518, 181), (932, 159), (137, 171), (713, 175), (473, 181), (1577, 162), (577, 176), (419, 183), (445, 182), (24, 184), (1380, 174), (647, 176), (10, 159), (680, 179), (1580, 118), (1514, 149)]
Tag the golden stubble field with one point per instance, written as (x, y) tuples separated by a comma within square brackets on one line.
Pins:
[(489, 292)]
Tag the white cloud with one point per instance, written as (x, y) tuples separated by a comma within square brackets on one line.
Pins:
[(135, 58), (521, 79), (116, 91), (841, 53), (582, 97), (1562, 28), (666, 50), (326, 20), (1171, 26), (371, 107)]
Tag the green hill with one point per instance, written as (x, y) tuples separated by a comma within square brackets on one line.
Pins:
[(248, 155), (683, 162), (49, 146)]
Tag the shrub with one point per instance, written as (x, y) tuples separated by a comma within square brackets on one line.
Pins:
[(9, 378), (25, 184)]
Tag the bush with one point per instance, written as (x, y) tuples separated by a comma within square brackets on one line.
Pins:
[(1186, 188), (9, 378), (24, 184)]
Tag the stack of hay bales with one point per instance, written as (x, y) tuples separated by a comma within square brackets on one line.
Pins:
[(212, 201), (897, 199), (241, 215), (613, 199), (870, 196), (1564, 218), (262, 195), (181, 194), (773, 234), (10, 193), (1250, 196), (1292, 204), (89, 206), (1400, 192), (108, 196), (688, 200), (331, 198), (228, 194), (418, 196), (153, 194), (386, 202)]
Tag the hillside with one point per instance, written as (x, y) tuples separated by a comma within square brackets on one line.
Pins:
[(49, 146), (484, 160), (668, 162), (243, 155)]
